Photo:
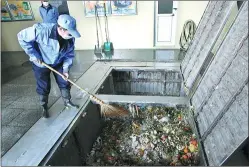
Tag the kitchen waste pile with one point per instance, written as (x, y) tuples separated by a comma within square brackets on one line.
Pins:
[(151, 135)]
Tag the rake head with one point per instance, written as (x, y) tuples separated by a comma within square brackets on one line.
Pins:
[(108, 110), (112, 111)]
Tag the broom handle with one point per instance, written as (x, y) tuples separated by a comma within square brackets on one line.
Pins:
[(96, 16), (91, 96), (107, 36)]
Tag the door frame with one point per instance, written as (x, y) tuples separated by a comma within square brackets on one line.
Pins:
[(173, 27)]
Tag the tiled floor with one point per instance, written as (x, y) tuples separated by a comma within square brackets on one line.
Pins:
[(20, 103)]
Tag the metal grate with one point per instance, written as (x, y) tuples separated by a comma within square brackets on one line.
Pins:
[(207, 34), (140, 82), (221, 99)]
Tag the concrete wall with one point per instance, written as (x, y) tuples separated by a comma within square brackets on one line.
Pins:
[(125, 31)]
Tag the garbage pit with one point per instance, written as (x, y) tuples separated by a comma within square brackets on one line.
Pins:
[(147, 82), (152, 134)]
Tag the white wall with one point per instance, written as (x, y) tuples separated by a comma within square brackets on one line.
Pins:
[(189, 10), (125, 31)]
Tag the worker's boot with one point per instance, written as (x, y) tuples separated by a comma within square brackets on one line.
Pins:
[(65, 93), (45, 111), (44, 104)]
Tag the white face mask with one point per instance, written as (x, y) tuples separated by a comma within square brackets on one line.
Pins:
[(67, 37), (45, 4), (63, 34)]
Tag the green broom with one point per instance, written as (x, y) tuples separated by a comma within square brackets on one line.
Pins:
[(108, 46)]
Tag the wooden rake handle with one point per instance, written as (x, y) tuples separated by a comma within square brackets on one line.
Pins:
[(91, 96)]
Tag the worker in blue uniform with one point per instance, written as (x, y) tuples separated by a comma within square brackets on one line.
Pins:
[(53, 44), (48, 13)]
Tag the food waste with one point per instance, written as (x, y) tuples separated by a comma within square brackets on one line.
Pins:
[(150, 135)]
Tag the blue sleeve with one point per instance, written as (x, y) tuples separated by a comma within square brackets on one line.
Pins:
[(40, 12), (26, 39), (57, 13), (68, 61)]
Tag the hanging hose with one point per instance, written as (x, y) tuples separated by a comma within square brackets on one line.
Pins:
[(187, 34)]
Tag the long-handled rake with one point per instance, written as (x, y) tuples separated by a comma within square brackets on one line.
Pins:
[(106, 109)]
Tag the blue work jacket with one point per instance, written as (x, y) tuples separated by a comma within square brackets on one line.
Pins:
[(41, 42), (49, 14)]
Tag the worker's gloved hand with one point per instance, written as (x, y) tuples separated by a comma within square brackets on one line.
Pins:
[(66, 75), (37, 61)]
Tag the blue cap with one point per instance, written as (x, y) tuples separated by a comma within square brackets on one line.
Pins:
[(69, 23)]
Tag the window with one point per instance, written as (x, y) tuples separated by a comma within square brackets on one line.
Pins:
[(165, 7)]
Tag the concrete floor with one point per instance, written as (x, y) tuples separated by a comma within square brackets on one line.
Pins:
[(20, 103)]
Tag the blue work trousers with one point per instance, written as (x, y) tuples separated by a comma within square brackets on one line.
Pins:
[(43, 81)]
